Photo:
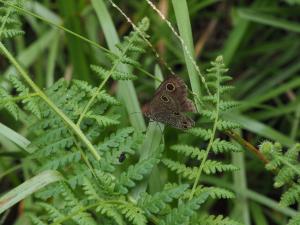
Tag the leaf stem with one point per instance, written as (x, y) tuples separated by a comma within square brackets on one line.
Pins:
[(69, 122), (247, 145), (55, 25), (210, 140), (96, 93), (18, 98)]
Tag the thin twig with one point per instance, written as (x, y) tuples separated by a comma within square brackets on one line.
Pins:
[(247, 145)]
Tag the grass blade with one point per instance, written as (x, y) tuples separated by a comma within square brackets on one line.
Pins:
[(126, 89), (28, 187), (15, 137)]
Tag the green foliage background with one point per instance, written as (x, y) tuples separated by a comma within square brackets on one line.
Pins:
[(74, 75)]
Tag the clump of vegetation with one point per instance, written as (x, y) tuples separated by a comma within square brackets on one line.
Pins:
[(75, 148)]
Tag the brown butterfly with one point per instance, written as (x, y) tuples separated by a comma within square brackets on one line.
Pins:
[(169, 104)]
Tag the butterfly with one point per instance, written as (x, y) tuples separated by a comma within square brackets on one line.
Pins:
[(170, 103)]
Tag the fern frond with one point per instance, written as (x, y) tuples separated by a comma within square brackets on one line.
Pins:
[(90, 190), (103, 121), (226, 88), (220, 146), (120, 75), (289, 170), (179, 168), (136, 172), (56, 143), (7, 102), (133, 213), (107, 181), (10, 23), (100, 71), (205, 134), (214, 192), (73, 204), (110, 211), (32, 105), (115, 139), (130, 61), (103, 96), (190, 151), (10, 33), (35, 220), (185, 211), (157, 202), (295, 220), (216, 220), (218, 193), (224, 125), (211, 167), (61, 160), (53, 213), (209, 114), (226, 105), (291, 196)]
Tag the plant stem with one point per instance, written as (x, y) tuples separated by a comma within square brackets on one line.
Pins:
[(55, 25), (96, 93), (18, 98), (210, 141), (68, 122), (247, 145)]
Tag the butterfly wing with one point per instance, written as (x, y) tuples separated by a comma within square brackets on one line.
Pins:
[(163, 108), (169, 104), (175, 87)]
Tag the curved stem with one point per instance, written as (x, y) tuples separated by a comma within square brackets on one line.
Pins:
[(210, 141), (56, 25), (66, 119), (247, 145), (18, 98), (96, 93)]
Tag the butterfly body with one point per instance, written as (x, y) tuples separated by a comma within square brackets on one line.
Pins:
[(170, 103)]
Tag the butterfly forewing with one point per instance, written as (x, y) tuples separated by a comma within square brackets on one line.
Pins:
[(169, 103)]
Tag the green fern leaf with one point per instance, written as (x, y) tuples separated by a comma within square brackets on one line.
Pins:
[(104, 97), (133, 214), (209, 114), (129, 61), (89, 190), (100, 71), (187, 172), (296, 219), (53, 213), (35, 220), (115, 139), (61, 160), (110, 211), (7, 102), (185, 211), (135, 173), (216, 220), (157, 202), (291, 196), (224, 125), (205, 134), (226, 105), (211, 167), (120, 75), (220, 146), (190, 151), (103, 121)]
